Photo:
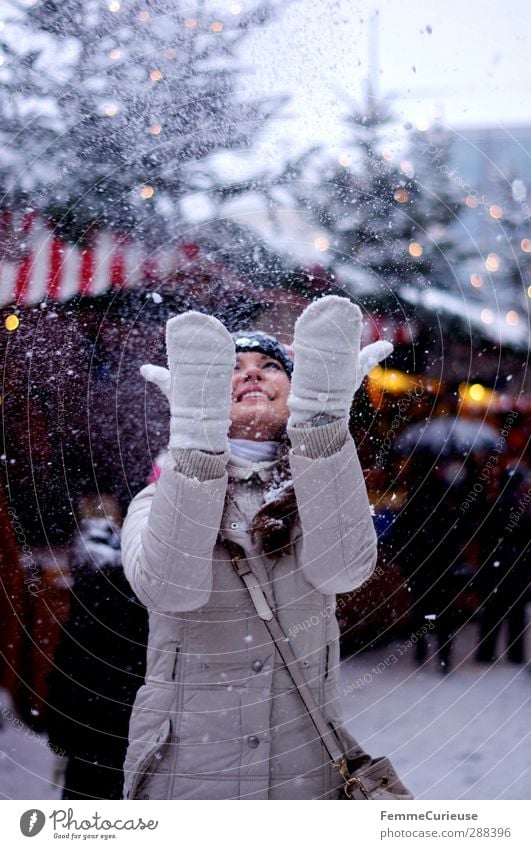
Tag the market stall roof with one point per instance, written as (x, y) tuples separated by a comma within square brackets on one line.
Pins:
[(42, 266)]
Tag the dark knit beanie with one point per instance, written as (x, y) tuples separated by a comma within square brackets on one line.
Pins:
[(263, 343)]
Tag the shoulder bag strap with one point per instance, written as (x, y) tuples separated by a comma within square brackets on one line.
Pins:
[(325, 732)]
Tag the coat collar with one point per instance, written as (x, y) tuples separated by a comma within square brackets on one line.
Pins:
[(243, 470)]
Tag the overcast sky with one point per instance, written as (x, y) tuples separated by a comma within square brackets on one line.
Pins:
[(471, 58)]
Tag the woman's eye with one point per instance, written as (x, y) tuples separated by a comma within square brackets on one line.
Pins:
[(272, 365)]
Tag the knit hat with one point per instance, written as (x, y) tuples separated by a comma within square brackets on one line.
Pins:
[(265, 344)]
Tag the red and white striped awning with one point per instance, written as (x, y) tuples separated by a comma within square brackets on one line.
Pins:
[(48, 268)]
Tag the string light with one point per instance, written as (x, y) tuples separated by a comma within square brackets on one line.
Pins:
[(407, 168), (321, 243), (115, 53), (512, 318), (114, 6), (476, 280), (415, 249), (492, 263), (471, 201), (110, 110), (529, 291), (401, 196), (155, 129), (156, 75), (235, 9), (12, 322), (525, 244), (143, 16), (147, 192), (487, 316), (216, 26), (496, 212), (170, 53), (190, 23), (387, 154), (345, 159), (422, 124)]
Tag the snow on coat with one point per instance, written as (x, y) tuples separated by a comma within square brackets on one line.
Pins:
[(218, 717)]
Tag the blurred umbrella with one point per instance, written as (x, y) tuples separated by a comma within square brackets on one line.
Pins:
[(448, 436)]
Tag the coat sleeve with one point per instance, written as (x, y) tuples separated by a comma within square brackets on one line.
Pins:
[(170, 531), (339, 547)]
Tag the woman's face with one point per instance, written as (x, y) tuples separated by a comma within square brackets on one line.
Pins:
[(260, 389)]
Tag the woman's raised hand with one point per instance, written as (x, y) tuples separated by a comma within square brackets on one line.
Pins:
[(197, 383), (329, 365)]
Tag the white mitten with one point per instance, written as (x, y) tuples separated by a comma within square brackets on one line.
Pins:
[(201, 359), (329, 366)]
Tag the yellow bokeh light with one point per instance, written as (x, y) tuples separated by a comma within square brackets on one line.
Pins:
[(487, 316), (147, 192), (156, 75), (216, 26), (512, 318), (529, 291), (476, 280), (477, 392), (345, 159), (190, 23), (12, 322), (321, 243), (391, 381), (492, 263), (525, 244), (155, 129), (143, 16), (415, 249), (471, 201), (496, 212), (111, 109), (407, 168), (401, 196)]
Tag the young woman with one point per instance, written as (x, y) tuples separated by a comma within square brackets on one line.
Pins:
[(218, 717)]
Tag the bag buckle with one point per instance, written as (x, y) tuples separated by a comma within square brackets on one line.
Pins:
[(351, 780)]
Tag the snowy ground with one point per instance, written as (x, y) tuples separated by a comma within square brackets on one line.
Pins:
[(461, 736)]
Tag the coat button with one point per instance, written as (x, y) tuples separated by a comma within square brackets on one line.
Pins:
[(258, 666), (253, 742)]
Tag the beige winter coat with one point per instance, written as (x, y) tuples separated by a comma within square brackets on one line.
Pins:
[(217, 717)]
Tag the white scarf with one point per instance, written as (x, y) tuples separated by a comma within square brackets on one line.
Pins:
[(249, 449)]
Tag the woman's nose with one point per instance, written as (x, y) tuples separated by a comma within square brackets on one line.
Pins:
[(252, 373)]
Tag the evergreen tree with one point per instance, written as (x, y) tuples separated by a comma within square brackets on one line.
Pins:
[(113, 110), (394, 216)]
